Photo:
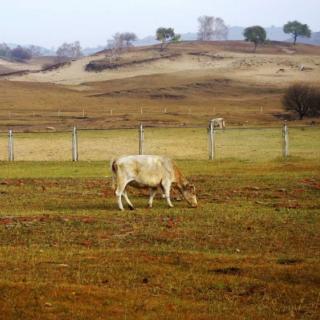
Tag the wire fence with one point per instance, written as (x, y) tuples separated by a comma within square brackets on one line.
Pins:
[(253, 144)]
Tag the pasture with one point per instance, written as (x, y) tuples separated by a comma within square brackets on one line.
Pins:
[(244, 144), (249, 251)]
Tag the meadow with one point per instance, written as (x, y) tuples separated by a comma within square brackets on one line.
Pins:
[(249, 251), (180, 143)]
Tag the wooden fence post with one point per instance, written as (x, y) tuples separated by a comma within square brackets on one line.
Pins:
[(10, 146), (211, 141), (285, 140), (75, 155), (141, 138)]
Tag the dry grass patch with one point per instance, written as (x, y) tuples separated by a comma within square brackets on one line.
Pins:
[(67, 252)]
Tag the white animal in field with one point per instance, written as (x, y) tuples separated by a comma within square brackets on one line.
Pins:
[(218, 123), (149, 171)]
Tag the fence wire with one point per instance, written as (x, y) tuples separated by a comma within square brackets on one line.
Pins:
[(254, 144)]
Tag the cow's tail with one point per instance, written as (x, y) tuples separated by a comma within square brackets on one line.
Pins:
[(114, 169)]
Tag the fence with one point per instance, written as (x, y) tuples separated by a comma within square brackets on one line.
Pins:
[(252, 144)]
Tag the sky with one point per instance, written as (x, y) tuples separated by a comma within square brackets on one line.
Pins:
[(51, 22)]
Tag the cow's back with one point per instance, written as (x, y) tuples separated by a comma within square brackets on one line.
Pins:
[(146, 169)]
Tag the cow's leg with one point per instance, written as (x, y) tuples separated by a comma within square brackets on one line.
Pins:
[(119, 192), (166, 185), (125, 195), (153, 192)]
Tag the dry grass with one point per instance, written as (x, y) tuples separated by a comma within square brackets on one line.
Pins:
[(184, 143), (251, 246), (203, 79)]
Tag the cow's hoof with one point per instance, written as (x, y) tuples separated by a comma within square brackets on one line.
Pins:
[(131, 208)]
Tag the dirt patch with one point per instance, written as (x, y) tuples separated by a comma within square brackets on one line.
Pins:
[(289, 261), (228, 271)]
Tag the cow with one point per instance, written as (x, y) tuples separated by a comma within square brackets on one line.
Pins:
[(218, 123), (149, 171)]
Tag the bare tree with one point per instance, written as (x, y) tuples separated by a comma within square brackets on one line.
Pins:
[(212, 28), (303, 99), (220, 29), (205, 32), (35, 50), (69, 50)]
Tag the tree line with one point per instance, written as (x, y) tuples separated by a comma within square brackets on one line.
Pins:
[(209, 28)]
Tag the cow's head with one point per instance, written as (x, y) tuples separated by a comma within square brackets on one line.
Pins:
[(189, 193)]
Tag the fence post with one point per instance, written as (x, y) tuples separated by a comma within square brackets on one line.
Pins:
[(285, 140), (141, 138), (74, 144), (211, 141), (10, 146)]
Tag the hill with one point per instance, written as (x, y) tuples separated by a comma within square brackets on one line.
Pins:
[(315, 39), (186, 84), (234, 59)]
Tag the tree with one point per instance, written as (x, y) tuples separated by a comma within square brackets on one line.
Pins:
[(256, 35), (211, 27), (166, 35), (35, 51), (297, 29), (220, 29), (5, 51), (205, 32), (302, 99), (128, 38), (20, 53), (69, 50)]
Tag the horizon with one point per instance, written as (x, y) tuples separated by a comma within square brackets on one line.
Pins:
[(94, 23)]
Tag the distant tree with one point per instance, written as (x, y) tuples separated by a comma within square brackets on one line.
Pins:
[(5, 51), (20, 53), (297, 29), (128, 38), (35, 50), (211, 27), (166, 35), (117, 42), (220, 29), (205, 32), (69, 50), (302, 99), (256, 35)]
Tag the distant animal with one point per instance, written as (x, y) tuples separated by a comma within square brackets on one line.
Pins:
[(149, 171), (218, 123)]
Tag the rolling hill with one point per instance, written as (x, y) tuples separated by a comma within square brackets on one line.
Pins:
[(192, 81)]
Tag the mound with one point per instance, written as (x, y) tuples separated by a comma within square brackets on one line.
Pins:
[(232, 59)]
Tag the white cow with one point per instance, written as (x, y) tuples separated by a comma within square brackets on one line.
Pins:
[(219, 123), (143, 171)]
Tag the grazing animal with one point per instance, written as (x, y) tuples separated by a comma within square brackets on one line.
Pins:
[(218, 123), (143, 171)]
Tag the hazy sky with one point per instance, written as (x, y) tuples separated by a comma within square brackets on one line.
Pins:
[(51, 22)]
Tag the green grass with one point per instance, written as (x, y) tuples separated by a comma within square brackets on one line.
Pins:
[(249, 251)]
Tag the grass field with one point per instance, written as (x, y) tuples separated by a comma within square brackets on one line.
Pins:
[(179, 143), (249, 251)]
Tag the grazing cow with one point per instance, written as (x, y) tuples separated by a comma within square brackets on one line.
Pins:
[(143, 171), (218, 123)]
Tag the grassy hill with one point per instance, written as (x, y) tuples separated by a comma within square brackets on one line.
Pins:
[(186, 84)]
